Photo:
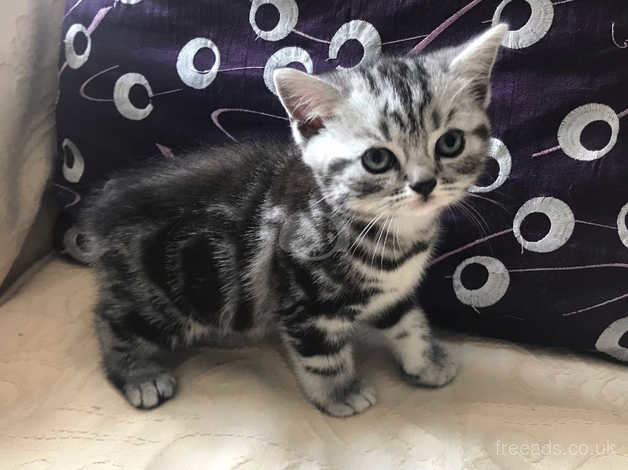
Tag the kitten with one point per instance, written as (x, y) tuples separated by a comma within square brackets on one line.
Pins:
[(306, 240)]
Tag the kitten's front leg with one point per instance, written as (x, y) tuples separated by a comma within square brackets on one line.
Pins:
[(424, 361), (322, 356)]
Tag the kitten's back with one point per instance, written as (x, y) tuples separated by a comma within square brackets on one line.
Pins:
[(185, 185)]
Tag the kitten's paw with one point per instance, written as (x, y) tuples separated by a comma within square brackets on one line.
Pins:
[(349, 402), (152, 392), (439, 369)]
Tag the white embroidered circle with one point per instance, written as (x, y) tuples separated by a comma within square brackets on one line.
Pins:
[(74, 248), (131, 2), (622, 230), (571, 128), (73, 173), (497, 150), (122, 100), (493, 289), (73, 59), (363, 32), (537, 26), (608, 342), (288, 17), (561, 219), (198, 79), (282, 58)]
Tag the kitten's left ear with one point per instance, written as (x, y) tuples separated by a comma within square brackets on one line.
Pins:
[(308, 100), (474, 62)]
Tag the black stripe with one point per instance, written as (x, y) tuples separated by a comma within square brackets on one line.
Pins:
[(436, 120), (386, 263), (391, 316), (154, 260), (414, 125), (396, 116), (402, 335), (339, 165), (246, 246), (359, 226), (383, 127), (422, 77), (201, 281), (366, 188), (311, 341), (326, 371), (481, 131), (467, 165), (132, 323), (479, 90), (370, 80)]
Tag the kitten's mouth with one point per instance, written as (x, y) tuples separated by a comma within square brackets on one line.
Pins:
[(422, 201), (420, 205)]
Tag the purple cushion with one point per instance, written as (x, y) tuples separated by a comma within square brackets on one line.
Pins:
[(541, 254)]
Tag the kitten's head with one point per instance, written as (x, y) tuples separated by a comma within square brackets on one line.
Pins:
[(397, 136)]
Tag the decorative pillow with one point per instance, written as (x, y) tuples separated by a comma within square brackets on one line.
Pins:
[(538, 253)]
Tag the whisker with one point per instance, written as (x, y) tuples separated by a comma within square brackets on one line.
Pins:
[(492, 201), (479, 216), (365, 231), (379, 237), (470, 217), (381, 256)]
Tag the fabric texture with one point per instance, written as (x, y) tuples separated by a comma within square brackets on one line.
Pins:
[(29, 29), (241, 409), (541, 254)]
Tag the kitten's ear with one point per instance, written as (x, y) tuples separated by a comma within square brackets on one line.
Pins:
[(308, 100), (474, 61)]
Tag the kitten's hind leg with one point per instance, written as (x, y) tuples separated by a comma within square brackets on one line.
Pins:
[(133, 364)]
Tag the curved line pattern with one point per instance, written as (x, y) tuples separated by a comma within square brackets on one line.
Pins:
[(411, 38), (312, 38), (591, 307), (240, 68), (442, 27), (78, 2), (499, 234), (216, 114), (468, 245), (100, 15), (624, 45), (165, 151), (92, 78), (77, 196)]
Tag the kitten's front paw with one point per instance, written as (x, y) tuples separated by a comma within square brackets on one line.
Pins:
[(439, 369), (152, 392), (350, 401)]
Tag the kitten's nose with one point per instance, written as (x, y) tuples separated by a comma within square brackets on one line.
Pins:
[(424, 188)]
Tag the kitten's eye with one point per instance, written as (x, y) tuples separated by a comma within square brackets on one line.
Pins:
[(378, 160), (450, 144)]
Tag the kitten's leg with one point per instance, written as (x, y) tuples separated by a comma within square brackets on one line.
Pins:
[(323, 362), (131, 362), (423, 360)]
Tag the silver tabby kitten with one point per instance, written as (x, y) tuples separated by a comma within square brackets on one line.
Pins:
[(238, 241)]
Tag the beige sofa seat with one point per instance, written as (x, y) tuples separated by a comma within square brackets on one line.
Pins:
[(241, 409)]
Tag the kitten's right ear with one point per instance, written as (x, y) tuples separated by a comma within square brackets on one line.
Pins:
[(474, 61), (308, 100)]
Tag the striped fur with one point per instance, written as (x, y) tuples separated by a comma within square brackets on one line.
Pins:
[(231, 243)]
